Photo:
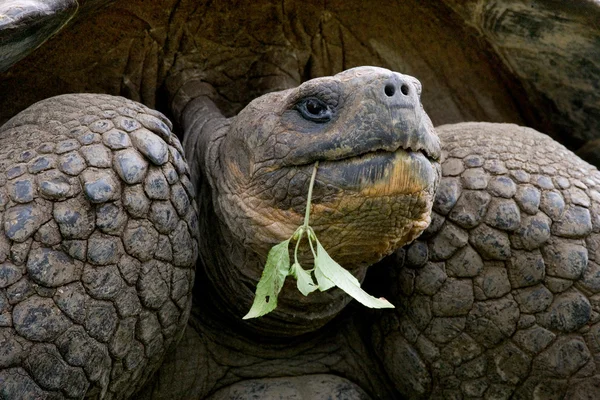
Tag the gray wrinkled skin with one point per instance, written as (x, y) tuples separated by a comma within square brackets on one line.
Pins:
[(97, 248)]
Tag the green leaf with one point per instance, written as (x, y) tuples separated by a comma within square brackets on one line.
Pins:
[(271, 281), (335, 273), (322, 280), (304, 280), (327, 272)]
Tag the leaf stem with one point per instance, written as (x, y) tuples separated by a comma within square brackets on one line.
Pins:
[(297, 246), (312, 248), (309, 200)]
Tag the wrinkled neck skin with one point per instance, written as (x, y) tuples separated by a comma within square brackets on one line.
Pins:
[(231, 265)]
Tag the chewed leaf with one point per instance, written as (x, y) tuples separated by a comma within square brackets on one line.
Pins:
[(271, 281), (328, 268), (304, 280)]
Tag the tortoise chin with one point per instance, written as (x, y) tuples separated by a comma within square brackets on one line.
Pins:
[(383, 201)]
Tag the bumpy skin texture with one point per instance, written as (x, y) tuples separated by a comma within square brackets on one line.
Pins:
[(97, 247), (500, 296)]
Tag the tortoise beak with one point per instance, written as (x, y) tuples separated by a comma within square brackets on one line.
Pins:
[(412, 129), (422, 139)]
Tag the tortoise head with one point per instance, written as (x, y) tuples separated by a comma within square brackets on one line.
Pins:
[(378, 170)]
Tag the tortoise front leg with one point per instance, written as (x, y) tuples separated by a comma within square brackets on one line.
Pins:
[(499, 299), (97, 247)]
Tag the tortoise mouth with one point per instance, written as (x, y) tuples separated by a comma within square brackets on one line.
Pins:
[(381, 173)]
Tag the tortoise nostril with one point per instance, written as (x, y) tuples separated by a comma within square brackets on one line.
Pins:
[(389, 90), (404, 89)]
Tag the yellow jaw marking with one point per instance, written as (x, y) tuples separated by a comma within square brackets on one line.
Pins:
[(405, 175)]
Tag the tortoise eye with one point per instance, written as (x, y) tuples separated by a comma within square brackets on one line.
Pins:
[(314, 110)]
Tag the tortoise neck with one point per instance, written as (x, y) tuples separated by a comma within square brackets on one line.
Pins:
[(229, 271), (231, 263)]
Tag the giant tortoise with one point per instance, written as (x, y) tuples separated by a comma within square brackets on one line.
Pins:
[(128, 260)]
